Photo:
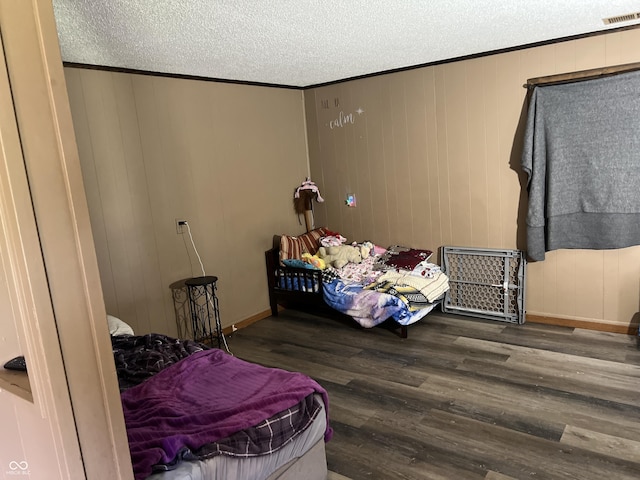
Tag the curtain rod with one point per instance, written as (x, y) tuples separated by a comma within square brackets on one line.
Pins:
[(581, 75)]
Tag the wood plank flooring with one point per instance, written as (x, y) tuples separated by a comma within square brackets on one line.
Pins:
[(464, 398)]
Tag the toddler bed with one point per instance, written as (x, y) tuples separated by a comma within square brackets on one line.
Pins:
[(398, 284), (197, 413)]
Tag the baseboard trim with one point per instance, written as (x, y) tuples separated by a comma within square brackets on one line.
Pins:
[(562, 322), (567, 322), (246, 322)]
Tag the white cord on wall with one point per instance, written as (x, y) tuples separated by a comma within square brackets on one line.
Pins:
[(194, 248), (193, 244)]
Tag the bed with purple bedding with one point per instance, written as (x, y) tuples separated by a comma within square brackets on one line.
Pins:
[(184, 402)]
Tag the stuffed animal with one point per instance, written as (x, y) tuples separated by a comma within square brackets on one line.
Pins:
[(339, 256), (366, 249), (314, 260)]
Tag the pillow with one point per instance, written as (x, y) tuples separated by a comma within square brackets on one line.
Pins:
[(409, 259), (118, 327), (296, 262), (294, 247), (405, 258), (378, 250)]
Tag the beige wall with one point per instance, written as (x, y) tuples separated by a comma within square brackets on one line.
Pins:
[(225, 157), (433, 161)]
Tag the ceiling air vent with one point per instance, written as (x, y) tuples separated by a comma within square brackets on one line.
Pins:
[(622, 18)]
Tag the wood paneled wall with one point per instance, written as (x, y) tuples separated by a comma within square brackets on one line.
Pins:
[(224, 157), (433, 155), (433, 158)]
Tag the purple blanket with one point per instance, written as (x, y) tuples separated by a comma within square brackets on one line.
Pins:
[(203, 398)]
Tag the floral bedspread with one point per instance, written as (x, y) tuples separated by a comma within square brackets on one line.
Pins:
[(371, 292)]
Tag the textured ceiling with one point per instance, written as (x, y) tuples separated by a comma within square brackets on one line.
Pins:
[(309, 42)]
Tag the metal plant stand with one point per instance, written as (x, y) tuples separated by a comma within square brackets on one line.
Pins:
[(205, 314)]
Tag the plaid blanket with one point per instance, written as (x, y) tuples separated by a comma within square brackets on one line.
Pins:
[(266, 437)]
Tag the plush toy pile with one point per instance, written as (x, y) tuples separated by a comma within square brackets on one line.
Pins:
[(339, 256), (331, 251), (314, 260)]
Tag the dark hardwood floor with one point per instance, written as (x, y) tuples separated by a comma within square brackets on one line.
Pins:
[(463, 398)]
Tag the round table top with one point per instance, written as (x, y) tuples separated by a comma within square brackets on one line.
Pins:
[(200, 281)]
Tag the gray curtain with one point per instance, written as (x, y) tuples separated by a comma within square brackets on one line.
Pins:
[(582, 157)]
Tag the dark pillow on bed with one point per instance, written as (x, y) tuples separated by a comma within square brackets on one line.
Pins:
[(406, 259), (294, 247)]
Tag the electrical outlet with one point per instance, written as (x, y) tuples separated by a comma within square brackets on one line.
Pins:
[(180, 225)]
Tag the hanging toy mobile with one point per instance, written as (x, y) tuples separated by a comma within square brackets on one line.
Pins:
[(303, 201)]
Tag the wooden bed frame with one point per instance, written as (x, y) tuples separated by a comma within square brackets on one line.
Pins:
[(312, 300), (278, 275)]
